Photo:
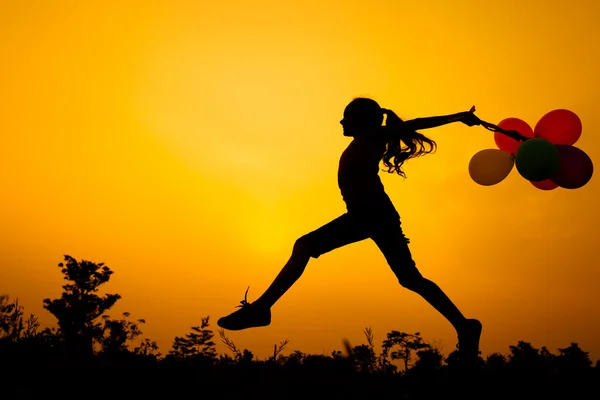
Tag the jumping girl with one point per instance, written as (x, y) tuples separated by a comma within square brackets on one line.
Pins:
[(370, 214)]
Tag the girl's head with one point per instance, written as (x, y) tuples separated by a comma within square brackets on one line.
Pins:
[(364, 116), (361, 117)]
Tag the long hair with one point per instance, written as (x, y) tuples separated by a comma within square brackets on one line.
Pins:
[(403, 144)]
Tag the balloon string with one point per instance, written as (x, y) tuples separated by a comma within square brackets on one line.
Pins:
[(510, 133)]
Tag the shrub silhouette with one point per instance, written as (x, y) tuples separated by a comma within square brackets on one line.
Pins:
[(79, 308), (196, 346), (13, 325)]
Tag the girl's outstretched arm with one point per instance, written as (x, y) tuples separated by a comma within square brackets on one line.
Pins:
[(466, 117)]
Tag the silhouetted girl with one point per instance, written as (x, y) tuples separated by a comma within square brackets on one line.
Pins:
[(370, 214)]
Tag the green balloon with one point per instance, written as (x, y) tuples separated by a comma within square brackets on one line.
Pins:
[(537, 159)]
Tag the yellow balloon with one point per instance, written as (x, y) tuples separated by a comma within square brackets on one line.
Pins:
[(490, 166)]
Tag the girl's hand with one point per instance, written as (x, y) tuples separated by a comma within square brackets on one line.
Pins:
[(469, 118)]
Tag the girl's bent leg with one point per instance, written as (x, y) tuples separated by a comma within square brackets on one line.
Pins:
[(337, 233), (289, 274), (258, 313)]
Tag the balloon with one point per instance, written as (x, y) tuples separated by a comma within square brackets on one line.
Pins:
[(547, 184), (537, 159), (490, 166), (509, 144), (559, 127), (576, 167)]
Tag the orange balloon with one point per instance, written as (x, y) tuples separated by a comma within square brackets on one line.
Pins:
[(509, 144), (547, 184), (559, 127)]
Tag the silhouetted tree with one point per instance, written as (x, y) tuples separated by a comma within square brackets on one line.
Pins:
[(197, 344), (429, 358), (80, 307), (573, 358), (496, 362), (406, 344), (364, 358), (117, 333), (524, 355)]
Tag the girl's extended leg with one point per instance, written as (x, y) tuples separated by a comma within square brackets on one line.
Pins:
[(337, 233), (394, 247)]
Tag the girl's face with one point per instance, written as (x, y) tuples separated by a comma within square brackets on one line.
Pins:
[(350, 127), (352, 123)]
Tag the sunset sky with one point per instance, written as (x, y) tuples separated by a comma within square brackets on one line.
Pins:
[(188, 144)]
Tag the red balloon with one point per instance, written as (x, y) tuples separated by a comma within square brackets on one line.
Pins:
[(506, 143), (547, 184), (576, 167), (559, 127)]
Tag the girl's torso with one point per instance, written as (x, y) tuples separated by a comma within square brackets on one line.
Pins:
[(358, 175)]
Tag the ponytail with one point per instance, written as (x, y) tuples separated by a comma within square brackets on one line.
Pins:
[(403, 144)]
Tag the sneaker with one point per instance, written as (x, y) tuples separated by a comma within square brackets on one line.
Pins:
[(468, 342), (248, 316)]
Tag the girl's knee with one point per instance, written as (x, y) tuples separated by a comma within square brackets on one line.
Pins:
[(412, 282), (409, 276), (303, 247)]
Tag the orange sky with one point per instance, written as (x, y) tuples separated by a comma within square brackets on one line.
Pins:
[(187, 145)]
